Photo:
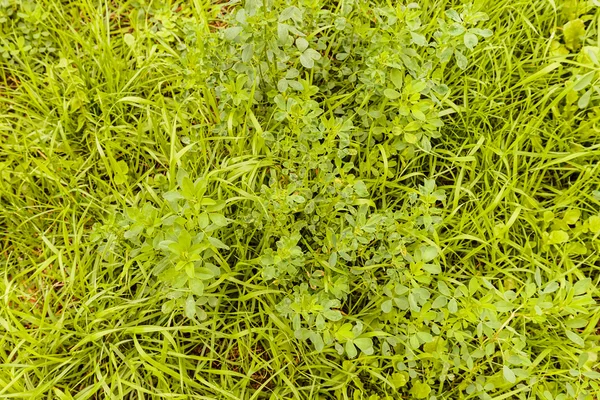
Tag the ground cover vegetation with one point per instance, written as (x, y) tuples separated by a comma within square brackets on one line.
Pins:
[(306, 199)]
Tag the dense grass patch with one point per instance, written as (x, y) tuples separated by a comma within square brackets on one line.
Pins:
[(299, 200)]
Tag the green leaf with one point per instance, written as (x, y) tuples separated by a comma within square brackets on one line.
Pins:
[(582, 286), (301, 44), (418, 39), (204, 273), (201, 314), (307, 61), (432, 268), (444, 289), (217, 243), (592, 375), (584, 100), (428, 253), (410, 138), (418, 114), (189, 269), (60, 395), (453, 15), (282, 33), (576, 323), (190, 307), (452, 306), (473, 285), (551, 287), (333, 259), (439, 302), (558, 237), (317, 341), (365, 345), (485, 33), (332, 315), (575, 338), (574, 32), (122, 167), (594, 224), (470, 40), (584, 80), (571, 217), (391, 94), (413, 126), (232, 32), (247, 52), (350, 349), (456, 29), (420, 390), (282, 85), (508, 374), (360, 189), (397, 78), (386, 306), (445, 53), (173, 195), (129, 40), (203, 221), (197, 287), (344, 332), (399, 379), (425, 337), (291, 13), (308, 58), (134, 232), (461, 60), (168, 306), (219, 219)]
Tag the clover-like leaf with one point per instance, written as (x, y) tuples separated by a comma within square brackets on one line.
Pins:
[(558, 237), (420, 390), (453, 15), (391, 94), (219, 219), (293, 13), (470, 40), (301, 44), (365, 345), (418, 39), (428, 253), (508, 374), (584, 100), (594, 224), (129, 40), (190, 307), (575, 338), (232, 32), (350, 349), (574, 32), (461, 60), (197, 287), (584, 80), (386, 306), (217, 243), (308, 58)]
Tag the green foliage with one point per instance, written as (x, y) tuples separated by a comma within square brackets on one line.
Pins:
[(23, 31), (179, 237), (581, 40), (307, 199)]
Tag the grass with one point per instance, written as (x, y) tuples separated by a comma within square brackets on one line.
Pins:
[(78, 321)]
